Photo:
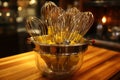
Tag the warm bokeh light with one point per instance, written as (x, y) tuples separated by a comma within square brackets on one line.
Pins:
[(5, 4), (32, 2), (104, 19), (19, 8), (8, 14), (0, 14)]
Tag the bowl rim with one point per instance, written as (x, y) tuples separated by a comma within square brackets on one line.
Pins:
[(86, 42)]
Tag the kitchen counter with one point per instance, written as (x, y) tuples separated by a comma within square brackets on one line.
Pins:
[(98, 64)]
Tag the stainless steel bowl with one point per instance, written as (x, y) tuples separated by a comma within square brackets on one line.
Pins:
[(59, 61)]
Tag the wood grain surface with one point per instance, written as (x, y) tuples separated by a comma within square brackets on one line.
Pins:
[(98, 64)]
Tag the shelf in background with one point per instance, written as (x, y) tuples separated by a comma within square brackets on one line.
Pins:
[(103, 3)]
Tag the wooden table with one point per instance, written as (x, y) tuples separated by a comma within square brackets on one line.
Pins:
[(99, 64)]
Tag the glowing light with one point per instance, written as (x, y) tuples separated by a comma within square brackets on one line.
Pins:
[(5, 4), (32, 2), (104, 19), (0, 14), (19, 8), (8, 14)]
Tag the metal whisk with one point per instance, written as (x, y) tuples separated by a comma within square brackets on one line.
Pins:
[(72, 25), (63, 26), (36, 27), (46, 8), (83, 21)]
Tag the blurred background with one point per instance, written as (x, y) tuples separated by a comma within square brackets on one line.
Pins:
[(13, 14)]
